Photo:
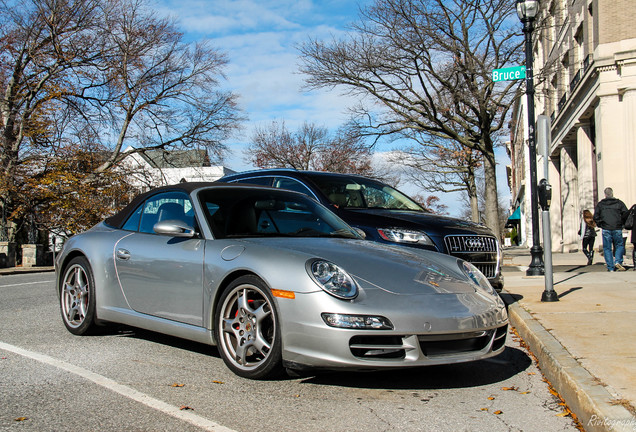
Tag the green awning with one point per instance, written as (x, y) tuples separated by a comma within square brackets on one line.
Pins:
[(516, 215)]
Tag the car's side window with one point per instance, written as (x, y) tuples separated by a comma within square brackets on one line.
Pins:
[(261, 181), (291, 218), (132, 224), (166, 206), (291, 184)]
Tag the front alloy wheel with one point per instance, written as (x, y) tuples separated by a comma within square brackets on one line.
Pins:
[(247, 329), (77, 299)]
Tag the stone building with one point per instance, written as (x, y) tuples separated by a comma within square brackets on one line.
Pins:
[(585, 81)]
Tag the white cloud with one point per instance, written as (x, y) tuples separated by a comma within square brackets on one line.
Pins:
[(260, 39)]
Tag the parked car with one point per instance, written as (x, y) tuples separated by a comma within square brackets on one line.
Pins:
[(276, 280), (387, 215)]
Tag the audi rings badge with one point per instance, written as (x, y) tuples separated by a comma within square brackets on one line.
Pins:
[(475, 243)]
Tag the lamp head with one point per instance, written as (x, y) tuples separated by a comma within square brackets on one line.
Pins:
[(527, 9)]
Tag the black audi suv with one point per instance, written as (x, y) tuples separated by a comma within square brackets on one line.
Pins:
[(386, 215)]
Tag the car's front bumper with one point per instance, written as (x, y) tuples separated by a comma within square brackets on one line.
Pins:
[(428, 330)]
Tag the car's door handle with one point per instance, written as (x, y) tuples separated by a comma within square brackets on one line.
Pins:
[(122, 254)]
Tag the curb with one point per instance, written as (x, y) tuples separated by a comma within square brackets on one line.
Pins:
[(589, 400), (25, 270)]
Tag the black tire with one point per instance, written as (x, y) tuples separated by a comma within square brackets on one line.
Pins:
[(77, 297), (247, 329)]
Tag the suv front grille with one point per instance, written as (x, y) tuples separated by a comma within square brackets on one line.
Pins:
[(481, 251)]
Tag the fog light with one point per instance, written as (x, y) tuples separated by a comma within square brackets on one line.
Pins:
[(365, 322)]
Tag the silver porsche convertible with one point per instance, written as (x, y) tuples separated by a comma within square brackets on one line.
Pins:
[(276, 281)]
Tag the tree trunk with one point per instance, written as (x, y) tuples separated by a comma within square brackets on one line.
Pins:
[(4, 226), (7, 175), (471, 190), (474, 208), (491, 203)]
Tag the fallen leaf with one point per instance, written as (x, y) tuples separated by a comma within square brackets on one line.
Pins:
[(510, 388), (491, 398), (297, 395), (531, 373), (484, 409), (526, 392), (21, 419), (498, 412), (218, 382), (186, 408), (177, 385)]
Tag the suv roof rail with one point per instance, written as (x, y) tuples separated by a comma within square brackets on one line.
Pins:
[(262, 169)]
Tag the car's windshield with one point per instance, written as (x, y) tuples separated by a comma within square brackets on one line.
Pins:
[(246, 212), (360, 193)]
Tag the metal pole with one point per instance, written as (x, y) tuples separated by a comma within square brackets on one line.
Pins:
[(544, 145), (549, 295), (536, 264)]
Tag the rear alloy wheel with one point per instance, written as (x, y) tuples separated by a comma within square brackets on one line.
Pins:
[(77, 297), (247, 329)]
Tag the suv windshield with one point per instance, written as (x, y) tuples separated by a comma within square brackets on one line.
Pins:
[(360, 193), (244, 212)]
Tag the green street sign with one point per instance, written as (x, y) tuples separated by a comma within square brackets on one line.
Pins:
[(509, 74)]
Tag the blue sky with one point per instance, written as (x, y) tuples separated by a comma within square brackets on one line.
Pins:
[(260, 40)]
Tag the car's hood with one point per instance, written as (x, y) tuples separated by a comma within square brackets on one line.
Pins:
[(430, 221), (393, 269)]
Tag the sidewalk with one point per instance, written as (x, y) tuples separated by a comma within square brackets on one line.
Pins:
[(586, 342), (22, 270)]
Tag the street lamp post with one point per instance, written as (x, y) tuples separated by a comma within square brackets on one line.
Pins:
[(527, 11)]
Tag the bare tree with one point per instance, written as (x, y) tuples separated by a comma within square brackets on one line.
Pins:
[(309, 148), (467, 209), (161, 93), (426, 65), (42, 42), (101, 74), (445, 167)]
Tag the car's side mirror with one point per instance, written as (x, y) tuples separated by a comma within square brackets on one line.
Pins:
[(360, 232), (174, 228)]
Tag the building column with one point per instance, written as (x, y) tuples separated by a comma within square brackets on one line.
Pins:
[(556, 228), (569, 198), (585, 166), (629, 103)]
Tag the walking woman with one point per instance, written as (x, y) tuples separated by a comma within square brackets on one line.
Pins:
[(588, 235)]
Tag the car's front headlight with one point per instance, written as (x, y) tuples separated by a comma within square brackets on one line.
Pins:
[(332, 279), (476, 276), (399, 235)]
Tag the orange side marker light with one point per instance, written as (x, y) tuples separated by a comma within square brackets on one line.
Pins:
[(283, 294)]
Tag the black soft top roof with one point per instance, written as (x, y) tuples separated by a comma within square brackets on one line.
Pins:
[(118, 219)]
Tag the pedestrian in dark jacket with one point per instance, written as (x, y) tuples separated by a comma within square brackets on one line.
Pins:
[(588, 235), (632, 210), (609, 215)]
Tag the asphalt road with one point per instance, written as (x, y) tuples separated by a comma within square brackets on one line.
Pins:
[(132, 380)]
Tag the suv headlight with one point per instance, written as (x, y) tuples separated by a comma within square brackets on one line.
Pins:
[(399, 235), (332, 279), (476, 277)]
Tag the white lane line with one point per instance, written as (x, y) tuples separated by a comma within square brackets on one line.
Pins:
[(123, 390), (27, 283)]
